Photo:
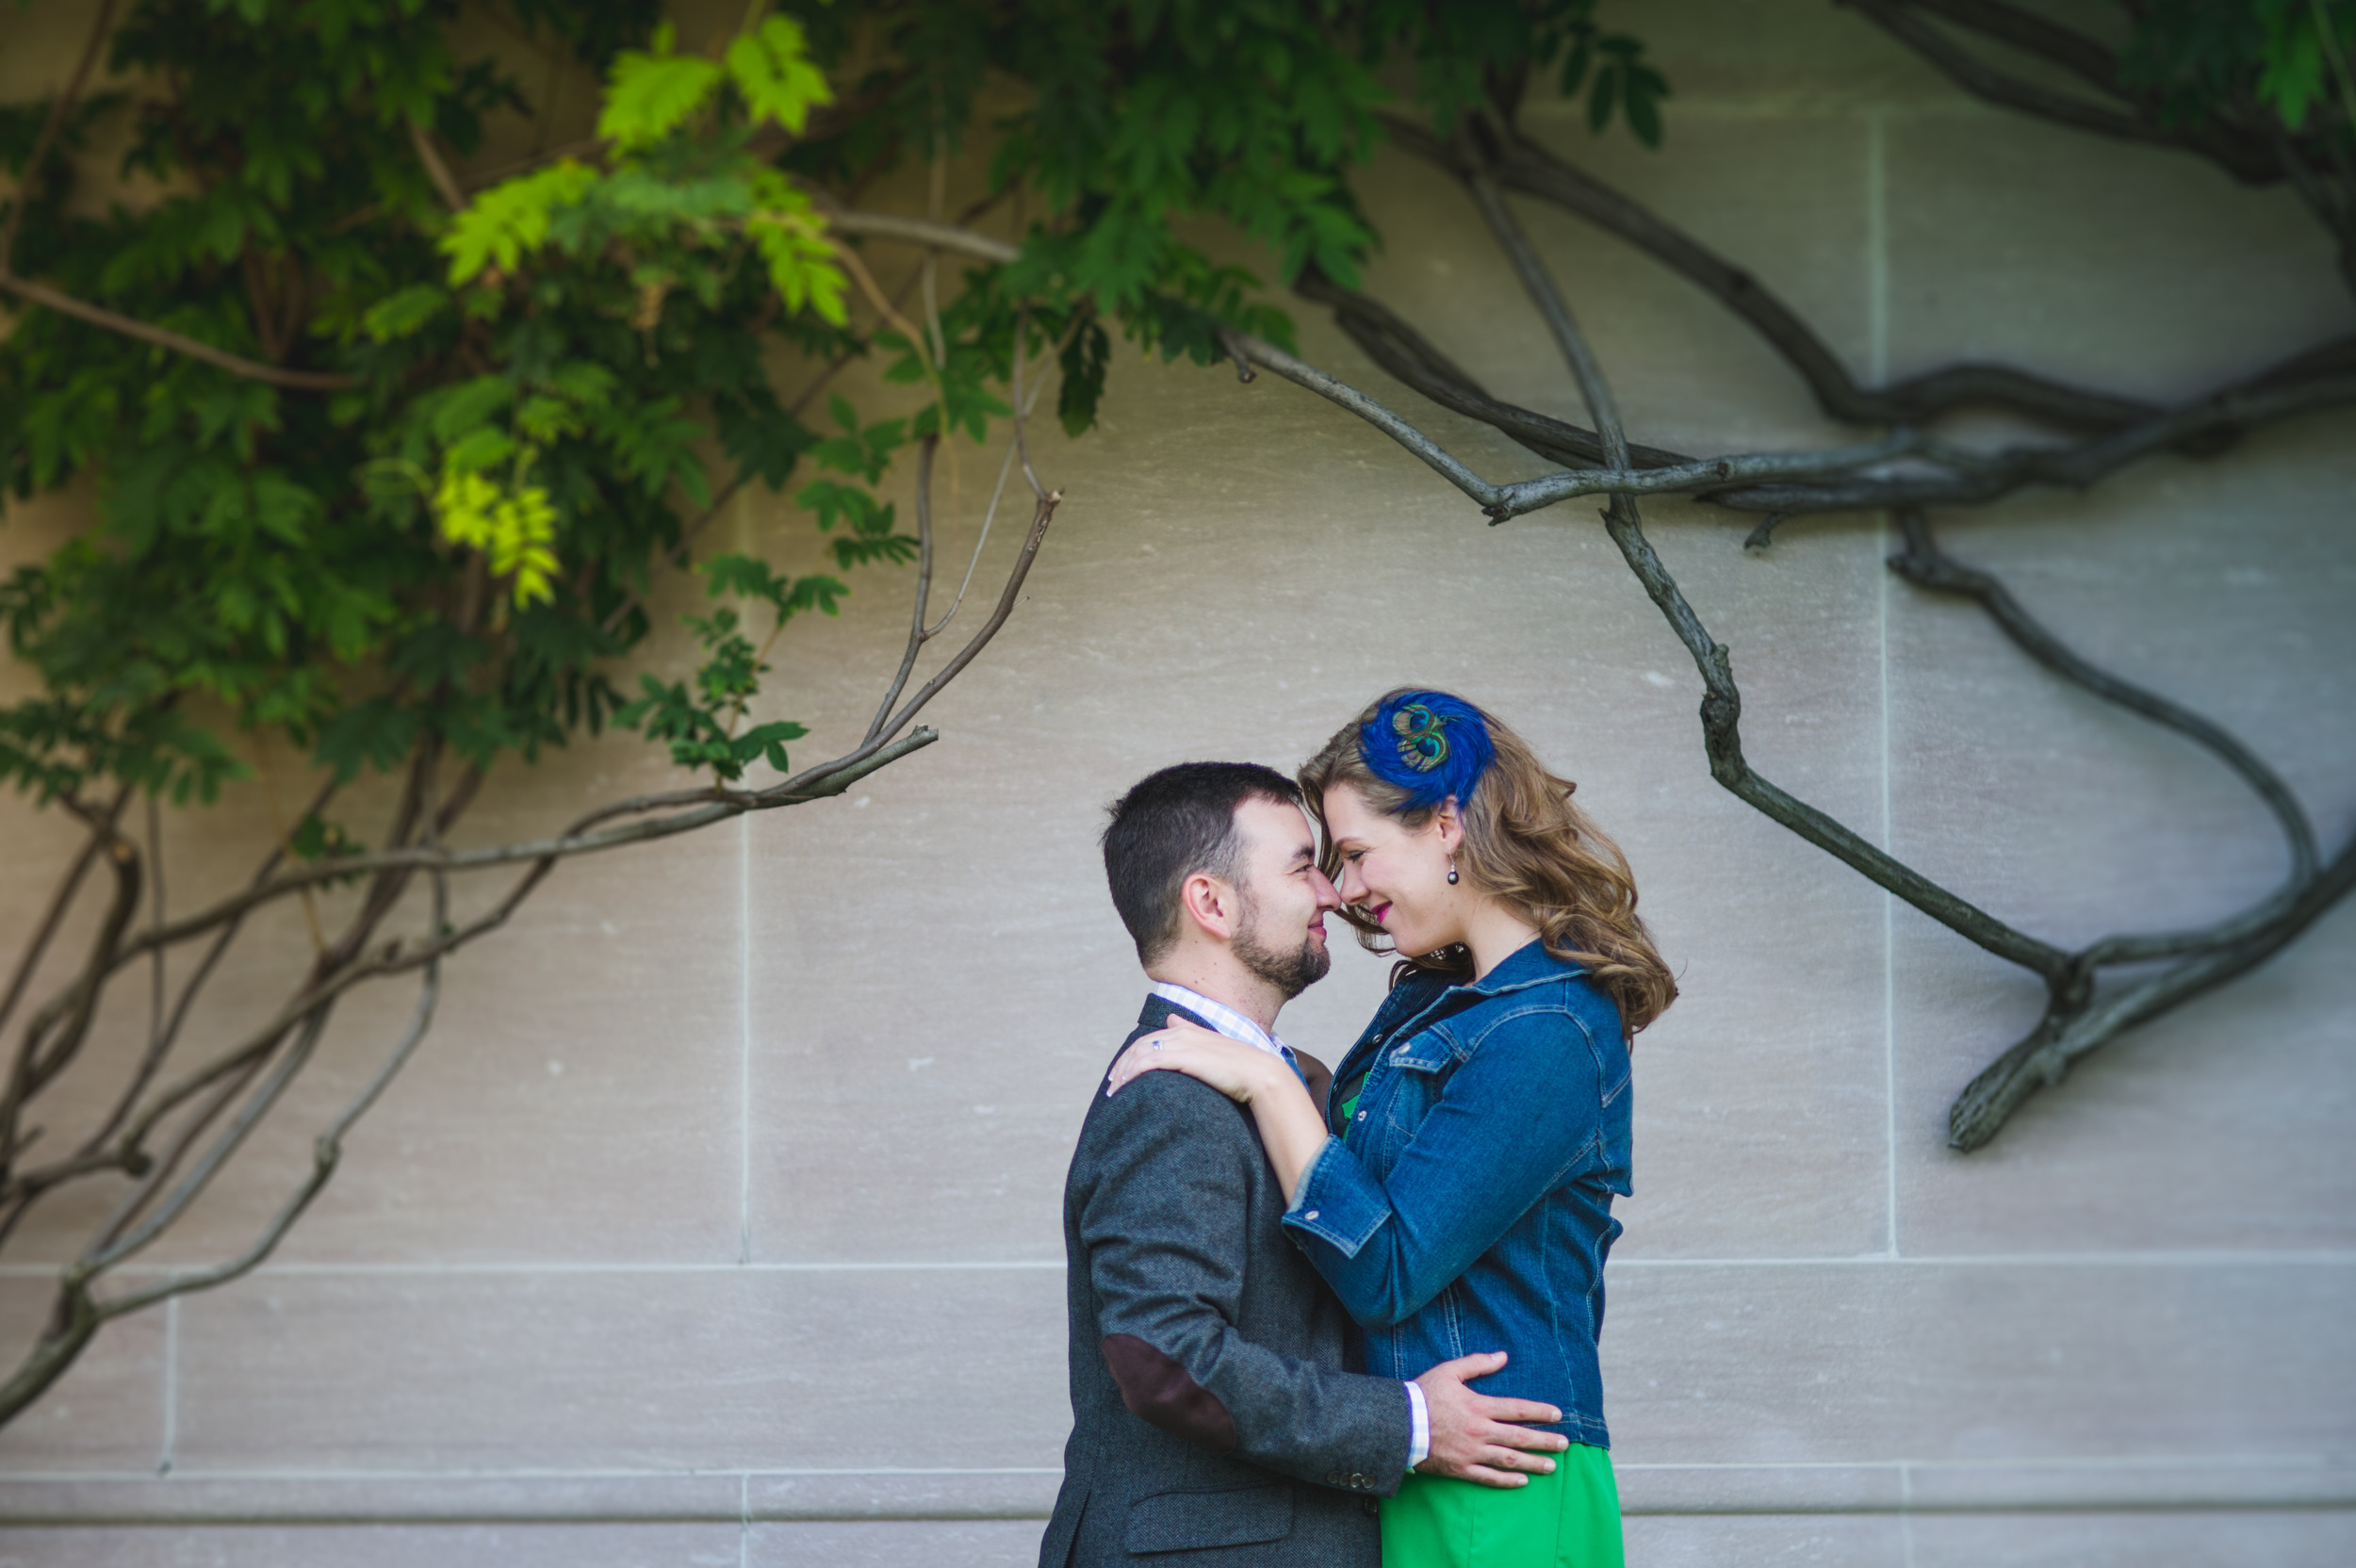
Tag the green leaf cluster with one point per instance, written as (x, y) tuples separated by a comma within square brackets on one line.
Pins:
[(546, 390), (2204, 60), (703, 721)]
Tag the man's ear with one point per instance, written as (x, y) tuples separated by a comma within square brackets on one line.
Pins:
[(1210, 905)]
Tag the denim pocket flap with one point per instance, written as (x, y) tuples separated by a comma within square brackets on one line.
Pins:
[(1186, 1521), (1427, 1051)]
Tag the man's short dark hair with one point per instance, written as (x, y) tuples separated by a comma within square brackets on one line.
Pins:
[(1171, 826)]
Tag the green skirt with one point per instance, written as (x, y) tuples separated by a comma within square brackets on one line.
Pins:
[(1570, 1519)]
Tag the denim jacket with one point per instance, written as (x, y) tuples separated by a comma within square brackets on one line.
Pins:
[(1466, 1204)]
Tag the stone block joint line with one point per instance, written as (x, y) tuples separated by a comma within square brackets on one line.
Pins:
[(1877, 321), (745, 1040)]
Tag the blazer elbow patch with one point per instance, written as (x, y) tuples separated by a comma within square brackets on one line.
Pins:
[(1159, 1390)]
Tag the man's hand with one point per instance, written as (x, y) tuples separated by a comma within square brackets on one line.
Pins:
[(1472, 1437)]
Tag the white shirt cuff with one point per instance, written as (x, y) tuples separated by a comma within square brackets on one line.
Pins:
[(1418, 1428)]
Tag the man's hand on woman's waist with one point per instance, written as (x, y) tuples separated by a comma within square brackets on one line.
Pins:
[(1477, 1438)]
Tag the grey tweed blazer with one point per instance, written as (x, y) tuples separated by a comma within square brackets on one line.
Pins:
[(1210, 1410)]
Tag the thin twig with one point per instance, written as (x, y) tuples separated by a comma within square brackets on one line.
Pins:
[(97, 316), (327, 1151), (53, 917), (1017, 445), (1926, 565), (1042, 516), (445, 184), (2236, 155), (43, 1056), (52, 128), (919, 231), (2091, 60), (2075, 1026), (990, 514), (276, 375), (2318, 378), (1696, 476), (1524, 168), (1593, 388), (290, 1062), (918, 635)]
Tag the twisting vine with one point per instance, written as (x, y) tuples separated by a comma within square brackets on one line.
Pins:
[(1905, 472), (420, 435)]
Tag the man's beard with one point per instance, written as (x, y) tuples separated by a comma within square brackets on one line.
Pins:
[(1290, 972)]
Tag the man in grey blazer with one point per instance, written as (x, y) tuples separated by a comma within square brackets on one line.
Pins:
[(1212, 1411)]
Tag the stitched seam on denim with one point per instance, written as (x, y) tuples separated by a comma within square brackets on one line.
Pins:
[(1593, 1145), (1536, 1009), (1410, 1026), (1331, 1236), (1403, 1052)]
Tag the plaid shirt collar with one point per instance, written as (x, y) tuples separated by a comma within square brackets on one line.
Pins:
[(1224, 1018)]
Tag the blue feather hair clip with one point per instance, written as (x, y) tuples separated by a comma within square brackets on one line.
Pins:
[(1429, 743)]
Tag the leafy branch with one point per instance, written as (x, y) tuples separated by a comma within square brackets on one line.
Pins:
[(424, 436)]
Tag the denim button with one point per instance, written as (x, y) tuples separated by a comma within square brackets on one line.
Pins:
[(1311, 1215), (1362, 1116)]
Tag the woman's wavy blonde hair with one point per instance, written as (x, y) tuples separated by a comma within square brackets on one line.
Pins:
[(1527, 844)]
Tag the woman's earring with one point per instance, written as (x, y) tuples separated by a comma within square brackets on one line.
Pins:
[(1451, 874)]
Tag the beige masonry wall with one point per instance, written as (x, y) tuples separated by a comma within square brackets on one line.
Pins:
[(717, 1222)]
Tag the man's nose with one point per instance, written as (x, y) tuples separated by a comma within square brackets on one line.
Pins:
[(1328, 898)]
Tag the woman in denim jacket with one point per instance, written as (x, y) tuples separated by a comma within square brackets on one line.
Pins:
[(1456, 1187)]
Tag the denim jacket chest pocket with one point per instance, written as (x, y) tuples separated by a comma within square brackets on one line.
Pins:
[(1411, 1076)]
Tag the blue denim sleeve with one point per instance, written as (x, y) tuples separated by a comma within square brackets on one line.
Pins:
[(1523, 1111)]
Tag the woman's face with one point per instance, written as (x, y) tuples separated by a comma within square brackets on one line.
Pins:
[(1396, 873)]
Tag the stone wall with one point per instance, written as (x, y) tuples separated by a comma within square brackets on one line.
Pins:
[(718, 1221)]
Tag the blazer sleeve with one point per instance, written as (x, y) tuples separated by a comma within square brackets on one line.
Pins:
[(1166, 1246)]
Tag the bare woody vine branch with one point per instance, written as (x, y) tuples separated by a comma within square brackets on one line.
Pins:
[(1904, 472), (474, 453)]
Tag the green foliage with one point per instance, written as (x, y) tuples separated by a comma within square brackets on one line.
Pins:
[(770, 67), (2200, 58), (505, 224), (1466, 52), (547, 388), (1612, 70), (700, 720)]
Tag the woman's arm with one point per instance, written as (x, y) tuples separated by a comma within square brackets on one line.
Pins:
[(1520, 1113), (1291, 1129)]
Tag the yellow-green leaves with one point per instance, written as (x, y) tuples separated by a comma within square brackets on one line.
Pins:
[(512, 218), (516, 529), (652, 93), (647, 199), (770, 66), (792, 243), (655, 92)]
